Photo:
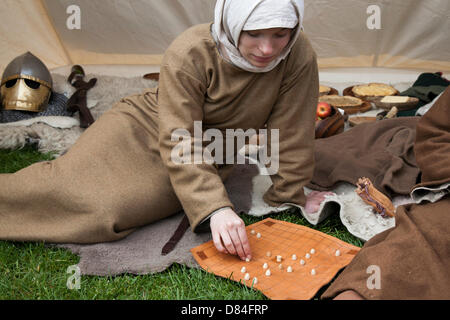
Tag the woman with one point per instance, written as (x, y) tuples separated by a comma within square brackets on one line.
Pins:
[(253, 67)]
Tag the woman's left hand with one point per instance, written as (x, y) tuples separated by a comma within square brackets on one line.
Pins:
[(314, 199)]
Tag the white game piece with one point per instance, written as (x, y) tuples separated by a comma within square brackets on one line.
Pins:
[(243, 270), (247, 276), (265, 265), (302, 262), (289, 269), (280, 266), (258, 235), (313, 251), (255, 280), (294, 257), (278, 258), (307, 256), (268, 272), (313, 272), (253, 231), (247, 259), (338, 253), (268, 253)]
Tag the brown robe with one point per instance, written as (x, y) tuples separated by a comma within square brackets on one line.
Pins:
[(413, 257), (119, 174)]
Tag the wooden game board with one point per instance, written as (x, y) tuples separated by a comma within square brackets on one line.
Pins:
[(285, 239)]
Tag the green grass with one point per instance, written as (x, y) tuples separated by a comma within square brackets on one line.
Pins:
[(37, 271)]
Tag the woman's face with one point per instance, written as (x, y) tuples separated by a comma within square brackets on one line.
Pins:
[(261, 47)]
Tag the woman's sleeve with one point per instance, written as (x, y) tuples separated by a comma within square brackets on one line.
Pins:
[(294, 117), (198, 186)]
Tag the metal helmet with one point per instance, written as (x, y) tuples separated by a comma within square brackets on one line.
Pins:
[(26, 84)]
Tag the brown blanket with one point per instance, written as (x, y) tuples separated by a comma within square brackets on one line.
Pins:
[(412, 259), (432, 147), (382, 151)]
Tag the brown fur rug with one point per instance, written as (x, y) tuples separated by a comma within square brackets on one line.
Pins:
[(60, 133)]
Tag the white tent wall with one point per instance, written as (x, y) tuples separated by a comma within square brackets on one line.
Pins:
[(125, 31), (411, 34), (25, 26)]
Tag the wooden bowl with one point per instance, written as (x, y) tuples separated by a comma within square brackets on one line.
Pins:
[(354, 121), (366, 106), (330, 126), (401, 106), (332, 91), (152, 76)]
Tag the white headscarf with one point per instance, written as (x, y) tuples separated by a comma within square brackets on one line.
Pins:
[(233, 16)]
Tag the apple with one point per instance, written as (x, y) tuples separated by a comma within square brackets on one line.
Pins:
[(323, 110)]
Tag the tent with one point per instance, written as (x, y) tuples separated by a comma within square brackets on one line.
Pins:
[(126, 35)]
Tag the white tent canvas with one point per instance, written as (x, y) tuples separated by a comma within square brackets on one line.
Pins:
[(407, 34)]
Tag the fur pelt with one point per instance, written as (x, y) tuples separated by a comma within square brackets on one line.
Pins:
[(58, 134)]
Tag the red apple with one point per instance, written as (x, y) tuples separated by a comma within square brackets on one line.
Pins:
[(323, 110)]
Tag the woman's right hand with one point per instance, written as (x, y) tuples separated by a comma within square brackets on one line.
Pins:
[(229, 234)]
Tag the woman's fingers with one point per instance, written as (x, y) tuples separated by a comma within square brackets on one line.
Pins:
[(217, 239), (242, 233), (227, 242), (235, 235), (236, 243)]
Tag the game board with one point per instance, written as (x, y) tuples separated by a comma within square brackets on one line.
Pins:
[(283, 239)]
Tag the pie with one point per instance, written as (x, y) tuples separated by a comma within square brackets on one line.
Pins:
[(323, 90), (374, 90), (341, 101)]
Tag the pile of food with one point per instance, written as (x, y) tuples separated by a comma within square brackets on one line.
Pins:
[(357, 99), (372, 91), (347, 103)]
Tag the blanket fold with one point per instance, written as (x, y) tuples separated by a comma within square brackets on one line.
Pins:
[(432, 147), (382, 151)]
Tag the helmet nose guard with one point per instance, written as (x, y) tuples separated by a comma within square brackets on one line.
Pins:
[(26, 84)]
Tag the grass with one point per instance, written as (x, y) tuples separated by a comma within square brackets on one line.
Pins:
[(35, 271)]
